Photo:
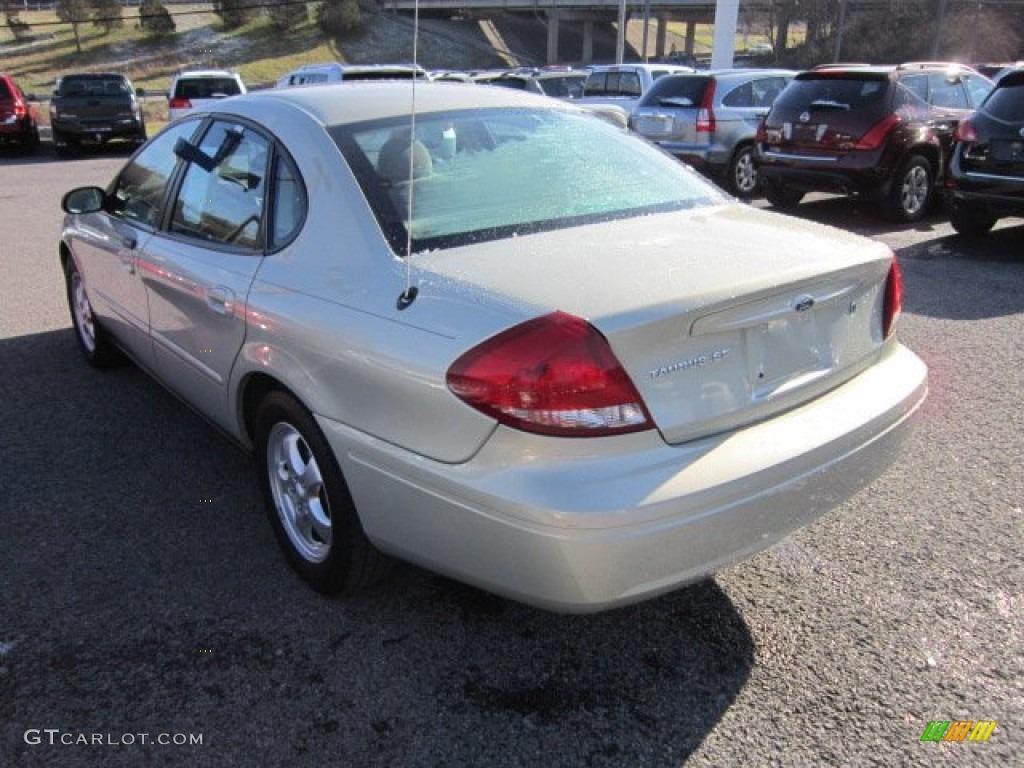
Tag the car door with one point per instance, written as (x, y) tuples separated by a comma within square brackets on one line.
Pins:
[(198, 271), (107, 243)]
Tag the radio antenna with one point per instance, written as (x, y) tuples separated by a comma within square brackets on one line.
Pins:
[(409, 294)]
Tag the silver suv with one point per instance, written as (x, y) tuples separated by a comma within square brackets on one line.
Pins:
[(710, 119)]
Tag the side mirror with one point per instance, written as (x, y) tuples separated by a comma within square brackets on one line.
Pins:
[(83, 200), (140, 92)]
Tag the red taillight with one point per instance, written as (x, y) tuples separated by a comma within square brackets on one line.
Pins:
[(893, 304), (20, 110), (874, 138), (180, 104), (706, 112), (553, 375), (965, 132)]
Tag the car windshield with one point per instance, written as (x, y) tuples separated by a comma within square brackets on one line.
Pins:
[(490, 174), (681, 91)]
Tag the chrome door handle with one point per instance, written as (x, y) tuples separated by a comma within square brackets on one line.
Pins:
[(221, 300)]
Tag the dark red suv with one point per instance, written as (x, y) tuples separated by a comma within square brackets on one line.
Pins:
[(880, 132), (18, 118)]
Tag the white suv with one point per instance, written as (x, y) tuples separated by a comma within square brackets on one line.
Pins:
[(198, 89), (624, 84)]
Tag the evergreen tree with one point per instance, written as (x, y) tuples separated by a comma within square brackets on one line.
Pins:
[(155, 18)]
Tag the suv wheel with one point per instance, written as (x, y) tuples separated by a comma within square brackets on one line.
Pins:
[(971, 220), (911, 190), (781, 196), (743, 179)]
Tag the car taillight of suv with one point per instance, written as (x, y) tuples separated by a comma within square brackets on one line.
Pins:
[(881, 133)]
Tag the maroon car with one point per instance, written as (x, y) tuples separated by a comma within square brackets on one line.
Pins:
[(19, 122)]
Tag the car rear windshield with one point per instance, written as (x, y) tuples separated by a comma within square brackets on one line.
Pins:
[(1007, 101), (206, 87), (850, 91), (564, 87), (483, 175), (73, 85), (678, 91)]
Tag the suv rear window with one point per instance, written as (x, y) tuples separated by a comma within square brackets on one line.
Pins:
[(206, 87), (848, 92), (1007, 101), (682, 91), (612, 84)]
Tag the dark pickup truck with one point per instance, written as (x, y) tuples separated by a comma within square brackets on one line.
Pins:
[(95, 108)]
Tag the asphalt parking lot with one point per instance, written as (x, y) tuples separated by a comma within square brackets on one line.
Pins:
[(148, 618)]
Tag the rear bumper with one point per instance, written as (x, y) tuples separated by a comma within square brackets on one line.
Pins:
[(1003, 195), (96, 132), (861, 173), (579, 526)]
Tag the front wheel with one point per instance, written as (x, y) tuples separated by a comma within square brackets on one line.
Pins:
[(97, 348), (971, 221), (911, 190), (308, 502)]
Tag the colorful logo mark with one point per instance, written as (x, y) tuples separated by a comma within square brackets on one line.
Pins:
[(958, 730)]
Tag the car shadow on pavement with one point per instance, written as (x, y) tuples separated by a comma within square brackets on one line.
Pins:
[(145, 593)]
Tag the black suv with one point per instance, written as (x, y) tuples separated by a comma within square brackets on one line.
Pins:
[(881, 132), (986, 175)]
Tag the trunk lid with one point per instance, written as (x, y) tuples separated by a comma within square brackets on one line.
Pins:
[(720, 316)]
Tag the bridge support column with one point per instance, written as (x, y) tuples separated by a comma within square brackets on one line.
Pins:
[(588, 41), (659, 41), (553, 19), (691, 38)]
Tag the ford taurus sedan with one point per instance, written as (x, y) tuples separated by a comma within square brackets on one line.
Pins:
[(494, 337)]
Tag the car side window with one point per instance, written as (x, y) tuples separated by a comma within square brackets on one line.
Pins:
[(913, 90), (766, 90), (977, 89), (289, 202), (740, 96), (223, 192), (947, 93), (137, 193)]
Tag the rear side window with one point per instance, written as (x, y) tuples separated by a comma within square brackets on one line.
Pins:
[(1007, 103), (676, 91), (947, 92), (5, 92)]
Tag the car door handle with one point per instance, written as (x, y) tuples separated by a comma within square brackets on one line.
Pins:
[(221, 300), (128, 243)]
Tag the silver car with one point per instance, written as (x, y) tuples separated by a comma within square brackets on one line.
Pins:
[(710, 119), (451, 340)]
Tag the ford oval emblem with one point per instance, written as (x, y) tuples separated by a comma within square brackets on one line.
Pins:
[(805, 116), (804, 303)]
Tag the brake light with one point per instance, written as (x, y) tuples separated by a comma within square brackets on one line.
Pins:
[(965, 132), (874, 138), (553, 375), (706, 112), (180, 104), (893, 304), (20, 110)]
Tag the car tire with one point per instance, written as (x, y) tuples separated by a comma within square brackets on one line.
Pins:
[(781, 196), (971, 220), (308, 501), (96, 346), (912, 190), (742, 177)]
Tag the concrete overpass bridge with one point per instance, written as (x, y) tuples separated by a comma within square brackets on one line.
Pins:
[(723, 13)]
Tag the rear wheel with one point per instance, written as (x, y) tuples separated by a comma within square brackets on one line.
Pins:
[(781, 196), (308, 502), (742, 178), (971, 220), (911, 191)]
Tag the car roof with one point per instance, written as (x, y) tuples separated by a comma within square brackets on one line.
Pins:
[(206, 73), (358, 101)]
